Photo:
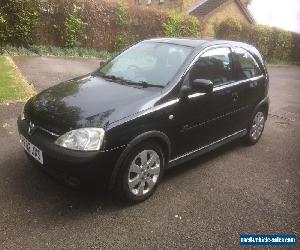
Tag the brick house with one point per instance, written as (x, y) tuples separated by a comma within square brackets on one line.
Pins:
[(215, 11), (210, 11)]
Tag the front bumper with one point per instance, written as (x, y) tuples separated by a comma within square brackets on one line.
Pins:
[(69, 165)]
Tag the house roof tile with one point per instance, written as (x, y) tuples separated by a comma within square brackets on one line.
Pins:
[(207, 6)]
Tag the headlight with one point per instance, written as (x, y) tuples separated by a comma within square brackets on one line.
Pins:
[(84, 139)]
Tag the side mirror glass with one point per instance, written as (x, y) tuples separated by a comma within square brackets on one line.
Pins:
[(202, 85)]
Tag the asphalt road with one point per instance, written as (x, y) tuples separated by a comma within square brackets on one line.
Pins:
[(44, 72), (203, 204)]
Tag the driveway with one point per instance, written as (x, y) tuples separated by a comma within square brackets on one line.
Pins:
[(203, 204), (43, 72)]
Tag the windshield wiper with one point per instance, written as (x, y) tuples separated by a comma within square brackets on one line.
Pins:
[(143, 84), (112, 77)]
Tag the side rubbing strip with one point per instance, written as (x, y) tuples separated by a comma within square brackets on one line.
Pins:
[(207, 148)]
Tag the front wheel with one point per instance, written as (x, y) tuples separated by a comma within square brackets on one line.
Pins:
[(256, 127), (140, 173)]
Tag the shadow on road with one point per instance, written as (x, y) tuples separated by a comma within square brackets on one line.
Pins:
[(201, 161), (59, 200)]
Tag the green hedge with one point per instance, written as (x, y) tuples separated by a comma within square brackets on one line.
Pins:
[(180, 25), (112, 25), (18, 18), (275, 44), (100, 25)]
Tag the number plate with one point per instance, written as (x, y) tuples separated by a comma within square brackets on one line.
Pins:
[(35, 152)]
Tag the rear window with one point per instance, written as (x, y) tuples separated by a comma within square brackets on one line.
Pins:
[(246, 65)]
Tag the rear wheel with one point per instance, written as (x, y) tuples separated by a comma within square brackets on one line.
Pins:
[(140, 173), (256, 127)]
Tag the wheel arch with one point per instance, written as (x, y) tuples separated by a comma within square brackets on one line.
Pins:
[(264, 104), (157, 136)]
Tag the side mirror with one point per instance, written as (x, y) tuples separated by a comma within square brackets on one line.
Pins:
[(185, 90), (202, 85), (101, 63)]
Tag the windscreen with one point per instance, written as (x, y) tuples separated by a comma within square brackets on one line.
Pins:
[(152, 63)]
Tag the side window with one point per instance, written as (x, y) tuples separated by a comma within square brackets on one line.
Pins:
[(246, 66), (214, 65)]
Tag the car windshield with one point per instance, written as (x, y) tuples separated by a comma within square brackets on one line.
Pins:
[(147, 64)]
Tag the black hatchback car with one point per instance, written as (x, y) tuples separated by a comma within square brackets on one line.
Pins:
[(157, 104)]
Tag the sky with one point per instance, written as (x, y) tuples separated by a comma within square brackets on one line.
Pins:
[(284, 14)]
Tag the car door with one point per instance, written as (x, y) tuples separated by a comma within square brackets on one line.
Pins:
[(250, 85), (206, 118)]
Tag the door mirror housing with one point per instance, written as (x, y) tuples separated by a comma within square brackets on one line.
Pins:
[(101, 63), (185, 90), (202, 85)]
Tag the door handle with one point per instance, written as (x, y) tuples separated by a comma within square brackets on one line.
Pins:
[(235, 96)]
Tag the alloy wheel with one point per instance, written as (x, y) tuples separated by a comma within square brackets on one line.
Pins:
[(257, 125), (143, 172)]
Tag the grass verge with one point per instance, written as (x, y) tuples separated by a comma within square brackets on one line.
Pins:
[(38, 50), (12, 86)]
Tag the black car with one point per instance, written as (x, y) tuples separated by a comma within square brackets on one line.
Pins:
[(157, 104)]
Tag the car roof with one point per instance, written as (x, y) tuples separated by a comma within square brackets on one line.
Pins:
[(191, 42), (197, 43)]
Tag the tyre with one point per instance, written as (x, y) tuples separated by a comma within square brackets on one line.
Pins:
[(256, 127), (141, 173)]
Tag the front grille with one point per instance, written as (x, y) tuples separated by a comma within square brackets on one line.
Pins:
[(38, 128), (47, 131)]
